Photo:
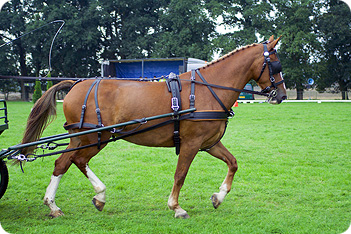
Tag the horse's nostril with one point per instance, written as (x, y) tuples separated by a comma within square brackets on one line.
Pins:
[(284, 97)]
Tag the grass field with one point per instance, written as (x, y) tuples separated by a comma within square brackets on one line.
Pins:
[(294, 177)]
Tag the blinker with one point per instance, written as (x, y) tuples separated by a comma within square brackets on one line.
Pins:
[(276, 67)]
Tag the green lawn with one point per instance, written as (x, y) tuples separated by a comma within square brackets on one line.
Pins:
[(294, 177)]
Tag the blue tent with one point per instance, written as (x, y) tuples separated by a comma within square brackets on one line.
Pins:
[(148, 68)]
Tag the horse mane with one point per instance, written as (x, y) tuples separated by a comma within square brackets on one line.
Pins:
[(231, 54)]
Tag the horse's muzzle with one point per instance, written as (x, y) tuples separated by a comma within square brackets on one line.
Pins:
[(277, 96)]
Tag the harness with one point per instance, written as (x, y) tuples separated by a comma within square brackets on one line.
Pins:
[(175, 87)]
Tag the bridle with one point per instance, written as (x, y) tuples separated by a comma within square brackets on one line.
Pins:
[(274, 68)]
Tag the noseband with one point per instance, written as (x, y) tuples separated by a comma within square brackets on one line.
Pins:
[(274, 68)]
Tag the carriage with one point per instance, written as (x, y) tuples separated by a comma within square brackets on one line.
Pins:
[(156, 114)]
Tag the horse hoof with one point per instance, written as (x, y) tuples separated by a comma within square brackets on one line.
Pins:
[(98, 204), (215, 201), (56, 213), (182, 215)]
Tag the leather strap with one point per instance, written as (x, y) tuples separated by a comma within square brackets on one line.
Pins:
[(229, 113), (78, 125), (175, 87), (192, 91), (84, 106), (97, 110)]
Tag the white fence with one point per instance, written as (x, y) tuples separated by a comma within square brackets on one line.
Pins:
[(310, 94)]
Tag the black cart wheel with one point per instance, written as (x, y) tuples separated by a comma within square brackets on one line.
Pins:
[(4, 178)]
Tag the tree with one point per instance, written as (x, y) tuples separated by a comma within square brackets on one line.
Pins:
[(37, 91), (293, 19), (128, 28), (49, 84), (13, 25), (335, 32), (7, 62), (186, 30), (109, 29), (248, 20), (296, 22), (75, 51)]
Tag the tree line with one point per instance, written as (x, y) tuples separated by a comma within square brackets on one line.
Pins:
[(316, 35)]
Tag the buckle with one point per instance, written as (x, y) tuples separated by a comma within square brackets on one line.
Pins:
[(231, 114), (273, 93), (175, 106)]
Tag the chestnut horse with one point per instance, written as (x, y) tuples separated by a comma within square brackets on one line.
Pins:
[(122, 100)]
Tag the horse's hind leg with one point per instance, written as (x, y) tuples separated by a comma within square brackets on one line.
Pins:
[(61, 166), (99, 199), (220, 152), (81, 160)]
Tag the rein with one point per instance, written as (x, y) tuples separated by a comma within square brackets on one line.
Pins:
[(228, 88)]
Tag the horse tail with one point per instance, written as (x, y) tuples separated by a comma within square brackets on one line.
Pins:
[(42, 114)]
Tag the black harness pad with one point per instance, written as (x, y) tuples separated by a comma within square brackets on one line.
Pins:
[(175, 87)]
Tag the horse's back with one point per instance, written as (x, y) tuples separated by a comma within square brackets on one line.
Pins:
[(120, 101), (129, 98)]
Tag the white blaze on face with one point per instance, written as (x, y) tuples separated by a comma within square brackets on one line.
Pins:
[(281, 75), (2, 2)]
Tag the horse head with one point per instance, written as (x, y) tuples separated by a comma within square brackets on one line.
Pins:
[(269, 76)]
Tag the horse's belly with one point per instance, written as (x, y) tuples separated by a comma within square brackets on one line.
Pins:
[(158, 137)]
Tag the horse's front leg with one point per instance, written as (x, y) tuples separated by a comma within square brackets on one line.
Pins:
[(186, 156), (220, 152)]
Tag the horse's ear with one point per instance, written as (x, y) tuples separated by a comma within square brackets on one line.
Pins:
[(271, 38), (273, 42)]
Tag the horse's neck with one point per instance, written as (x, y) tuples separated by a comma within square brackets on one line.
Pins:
[(233, 71)]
